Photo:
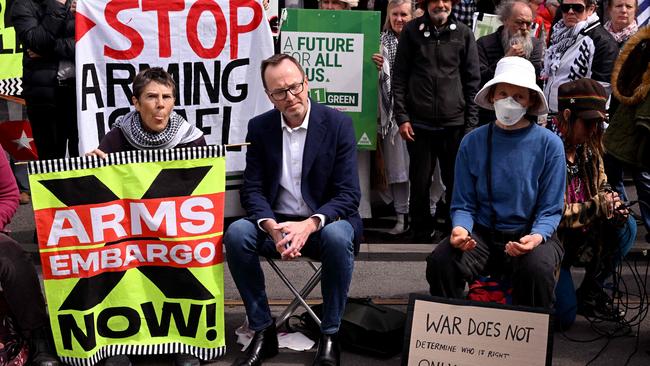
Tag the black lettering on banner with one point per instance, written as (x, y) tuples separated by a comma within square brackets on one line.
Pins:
[(132, 317), (112, 81), (68, 327), (243, 88), (171, 281), (89, 70), (99, 121), (211, 321), (187, 85), (201, 78), (160, 328), (200, 113)]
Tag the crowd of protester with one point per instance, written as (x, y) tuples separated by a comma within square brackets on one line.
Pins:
[(527, 197)]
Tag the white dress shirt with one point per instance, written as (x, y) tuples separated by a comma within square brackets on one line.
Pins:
[(289, 201)]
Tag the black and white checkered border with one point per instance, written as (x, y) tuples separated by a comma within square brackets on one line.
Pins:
[(13, 86), (205, 354), (126, 157)]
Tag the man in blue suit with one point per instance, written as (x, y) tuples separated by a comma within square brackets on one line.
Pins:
[(301, 193)]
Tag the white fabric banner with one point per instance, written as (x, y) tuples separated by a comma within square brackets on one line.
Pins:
[(212, 48)]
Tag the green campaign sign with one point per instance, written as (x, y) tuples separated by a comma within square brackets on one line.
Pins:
[(11, 54), (334, 48)]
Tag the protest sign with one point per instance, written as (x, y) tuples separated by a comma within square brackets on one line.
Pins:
[(335, 49), (131, 252), (463, 333), (485, 24), (11, 54), (213, 50)]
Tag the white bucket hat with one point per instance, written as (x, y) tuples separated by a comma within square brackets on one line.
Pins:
[(516, 71)]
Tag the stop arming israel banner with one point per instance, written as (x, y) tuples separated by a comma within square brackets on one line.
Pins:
[(131, 252), (212, 48), (335, 48)]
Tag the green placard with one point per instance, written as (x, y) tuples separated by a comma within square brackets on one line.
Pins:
[(335, 48)]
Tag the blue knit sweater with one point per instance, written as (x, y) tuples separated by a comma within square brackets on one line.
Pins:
[(528, 180)]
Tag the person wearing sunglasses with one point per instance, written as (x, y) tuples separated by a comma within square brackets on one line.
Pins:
[(596, 229), (580, 48)]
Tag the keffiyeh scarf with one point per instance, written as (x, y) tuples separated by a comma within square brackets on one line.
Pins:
[(177, 132), (562, 39), (388, 51)]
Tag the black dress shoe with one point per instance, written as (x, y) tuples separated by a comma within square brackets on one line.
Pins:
[(329, 351), (263, 345)]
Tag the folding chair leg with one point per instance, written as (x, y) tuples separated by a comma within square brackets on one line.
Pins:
[(299, 296)]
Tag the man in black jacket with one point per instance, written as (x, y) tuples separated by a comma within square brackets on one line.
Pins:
[(46, 30), (434, 82), (513, 38)]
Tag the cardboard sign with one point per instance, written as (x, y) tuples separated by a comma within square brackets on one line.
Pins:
[(466, 333)]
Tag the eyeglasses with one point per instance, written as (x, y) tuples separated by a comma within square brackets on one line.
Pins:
[(577, 8), (281, 94), (526, 23)]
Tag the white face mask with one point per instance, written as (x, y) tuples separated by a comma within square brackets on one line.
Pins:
[(508, 111)]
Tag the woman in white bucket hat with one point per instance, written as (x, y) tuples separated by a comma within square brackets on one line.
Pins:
[(508, 197)]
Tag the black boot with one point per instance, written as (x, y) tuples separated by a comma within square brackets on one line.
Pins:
[(263, 345), (40, 348), (329, 351)]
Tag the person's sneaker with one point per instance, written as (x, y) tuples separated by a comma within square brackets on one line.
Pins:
[(596, 303), (119, 360), (401, 225)]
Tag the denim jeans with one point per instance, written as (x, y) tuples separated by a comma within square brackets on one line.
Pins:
[(332, 245)]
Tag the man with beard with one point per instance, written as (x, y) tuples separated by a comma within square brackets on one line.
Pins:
[(513, 38), (435, 78)]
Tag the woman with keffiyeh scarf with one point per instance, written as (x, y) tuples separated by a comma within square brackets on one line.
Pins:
[(152, 126), (580, 48), (396, 157)]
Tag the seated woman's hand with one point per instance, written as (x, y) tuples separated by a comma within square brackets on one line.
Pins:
[(460, 239), (97, 152), (525, 245)]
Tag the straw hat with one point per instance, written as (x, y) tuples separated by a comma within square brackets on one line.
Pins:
[(516, 71)]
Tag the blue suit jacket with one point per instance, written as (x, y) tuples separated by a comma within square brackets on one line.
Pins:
[(330, 180)]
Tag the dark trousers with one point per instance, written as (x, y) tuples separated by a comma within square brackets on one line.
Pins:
[(614, 170), (532, 275), (54, 125), (423, 152), (21, 286), (332, 245)]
